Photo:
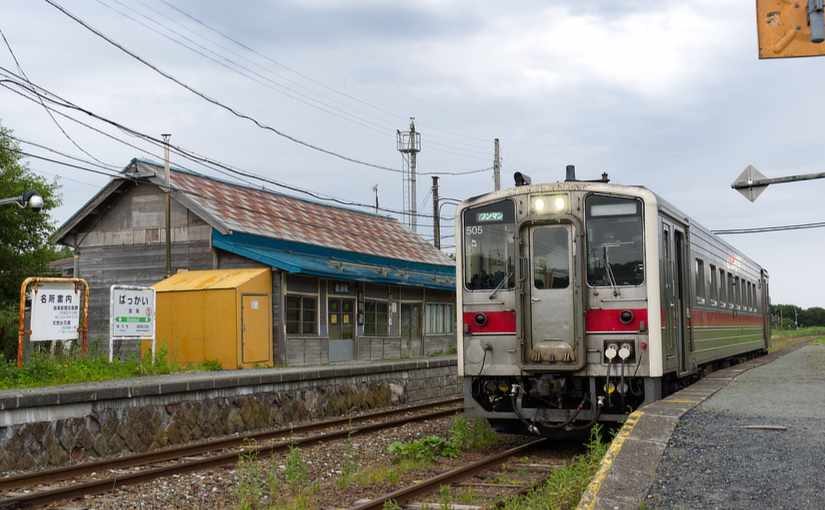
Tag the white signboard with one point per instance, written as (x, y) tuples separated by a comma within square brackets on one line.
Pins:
[(55, 312), (131, 315)]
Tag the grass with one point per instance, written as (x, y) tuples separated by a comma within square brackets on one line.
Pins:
[(262, 485), (45, 370), (786, 338), (565, 486), (819, 341)]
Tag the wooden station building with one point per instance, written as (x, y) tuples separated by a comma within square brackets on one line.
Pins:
[(346, 284)]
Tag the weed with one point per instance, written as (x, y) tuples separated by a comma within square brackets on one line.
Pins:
[(296, 472), (564, 487), (472, 434), (819, 341), (350, 465), (444, 497), (426, 449), (392, 505), (249, 488), (43, 369)]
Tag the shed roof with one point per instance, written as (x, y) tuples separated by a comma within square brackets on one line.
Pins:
[(212, 279), (232, 207)]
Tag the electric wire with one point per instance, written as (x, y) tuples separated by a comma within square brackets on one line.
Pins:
[(300, 74), (215, 102), (54, 120), (33, 88)]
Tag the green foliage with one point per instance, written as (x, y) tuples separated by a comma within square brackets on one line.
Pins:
[(564, 487), (25, 249), (392, 505), (471, 434), (350, 466), (296, 472), (426, 449), (43, 369), (791, 316), (248, 490), (792, 333)]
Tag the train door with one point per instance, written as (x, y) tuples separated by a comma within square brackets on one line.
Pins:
[(552, 303), (675, 294)]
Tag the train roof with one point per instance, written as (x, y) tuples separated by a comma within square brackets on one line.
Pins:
[(643, 192)]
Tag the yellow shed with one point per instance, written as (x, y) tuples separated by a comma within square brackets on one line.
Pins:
[(223, 315)]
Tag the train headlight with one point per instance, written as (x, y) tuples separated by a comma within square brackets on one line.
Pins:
[(552, 204)]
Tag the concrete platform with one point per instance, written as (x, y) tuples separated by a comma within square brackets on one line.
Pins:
[(698, 448)]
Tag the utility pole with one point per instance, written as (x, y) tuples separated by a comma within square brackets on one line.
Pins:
[(409, 145), (496, 165), (436, 216), (168, 171)]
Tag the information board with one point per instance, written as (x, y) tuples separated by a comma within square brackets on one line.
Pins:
[(55, 312)]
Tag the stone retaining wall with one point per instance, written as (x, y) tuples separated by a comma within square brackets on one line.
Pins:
[(55, 426)]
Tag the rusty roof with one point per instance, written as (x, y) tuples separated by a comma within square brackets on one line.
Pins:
[(240, 208)]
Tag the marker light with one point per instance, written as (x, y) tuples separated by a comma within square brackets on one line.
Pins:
[(554, 204)]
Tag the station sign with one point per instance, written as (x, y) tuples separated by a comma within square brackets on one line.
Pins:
[(132, 315), (55, 312)]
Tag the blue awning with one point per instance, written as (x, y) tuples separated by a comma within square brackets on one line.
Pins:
[(315, 260)]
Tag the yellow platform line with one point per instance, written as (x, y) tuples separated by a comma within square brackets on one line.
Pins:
[(588, 500), (679, 401)]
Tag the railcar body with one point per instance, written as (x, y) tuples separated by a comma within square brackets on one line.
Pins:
[(583, 300)]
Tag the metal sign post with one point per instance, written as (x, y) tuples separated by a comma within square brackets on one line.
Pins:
[(751, 183), (132, 315), (58, 312)]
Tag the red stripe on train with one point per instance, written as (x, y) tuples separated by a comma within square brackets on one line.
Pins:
[(494, 322), (607, 319)]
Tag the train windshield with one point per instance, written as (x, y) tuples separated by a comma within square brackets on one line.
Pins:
[(489, 247), (615, 241)]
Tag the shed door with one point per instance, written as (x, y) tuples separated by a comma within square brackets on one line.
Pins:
[(255, 313)]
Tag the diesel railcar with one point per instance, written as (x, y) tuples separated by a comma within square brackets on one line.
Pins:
[(582, 300)]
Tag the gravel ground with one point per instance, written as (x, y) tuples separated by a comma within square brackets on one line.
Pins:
[(712, 462), (216, 488)]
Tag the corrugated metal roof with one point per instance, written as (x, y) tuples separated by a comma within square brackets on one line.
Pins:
[(211, 279), (279, 216)]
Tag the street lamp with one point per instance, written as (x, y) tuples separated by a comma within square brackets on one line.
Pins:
[(30, 199)]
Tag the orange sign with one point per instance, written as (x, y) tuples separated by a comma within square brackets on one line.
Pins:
[(784, 31)]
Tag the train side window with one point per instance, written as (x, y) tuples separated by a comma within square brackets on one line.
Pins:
[(700, 281), (723, 291), (737, 296), (753, 295), (714, 285)]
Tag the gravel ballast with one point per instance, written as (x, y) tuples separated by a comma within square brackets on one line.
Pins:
[(758, 443)]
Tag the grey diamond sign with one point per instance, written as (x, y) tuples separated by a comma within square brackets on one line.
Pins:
[(744, 183)]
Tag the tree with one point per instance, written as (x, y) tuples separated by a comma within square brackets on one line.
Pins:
[(25, 248)]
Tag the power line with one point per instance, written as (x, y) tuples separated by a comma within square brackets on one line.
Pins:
[(33, 88), (778, 228), (216, 102), (55, 151), (56, 123)]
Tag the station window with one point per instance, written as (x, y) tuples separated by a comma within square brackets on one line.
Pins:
[(376, 318), (340, 322), (700, 281), (440, 319), (301, 315), (714, 289)]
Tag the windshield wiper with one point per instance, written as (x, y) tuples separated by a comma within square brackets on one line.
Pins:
[(609, 270), (499, 286)]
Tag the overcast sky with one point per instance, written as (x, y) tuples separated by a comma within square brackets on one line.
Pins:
[(665, 93)]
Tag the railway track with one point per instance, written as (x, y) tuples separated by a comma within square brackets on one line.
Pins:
[(485, 483), (29, 490)]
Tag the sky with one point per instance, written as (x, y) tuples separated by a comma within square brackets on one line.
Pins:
[(668, 94)]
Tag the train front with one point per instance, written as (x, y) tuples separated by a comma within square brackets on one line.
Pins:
[(553, 297)]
